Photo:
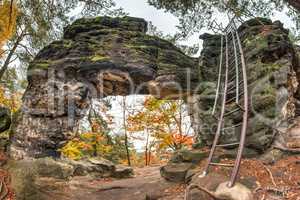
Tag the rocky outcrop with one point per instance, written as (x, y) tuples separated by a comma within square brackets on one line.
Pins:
[(5, 122), (273, 84), (214, 186), (30, 177), (176, 172), (97, 57), (104, 56), (5, 119), (183, 165)]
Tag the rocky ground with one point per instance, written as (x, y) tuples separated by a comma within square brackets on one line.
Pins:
[(279, 181), (147, 184)]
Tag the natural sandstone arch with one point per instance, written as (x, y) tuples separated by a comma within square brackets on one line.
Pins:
[(97, 57), (105, 56)]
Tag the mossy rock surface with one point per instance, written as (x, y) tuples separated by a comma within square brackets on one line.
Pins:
[(189, 156)]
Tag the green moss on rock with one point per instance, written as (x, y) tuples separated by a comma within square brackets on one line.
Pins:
[(99, 58)]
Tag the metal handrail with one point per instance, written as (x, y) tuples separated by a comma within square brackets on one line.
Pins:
[(245, 117), (231, 33), (220, 123), (219, 77)]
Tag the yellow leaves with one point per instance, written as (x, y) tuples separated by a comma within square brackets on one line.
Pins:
[(11, 101), (8, 18), (72, 150), (87, 144)]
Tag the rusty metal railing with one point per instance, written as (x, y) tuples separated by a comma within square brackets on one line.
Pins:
[(234, 69)]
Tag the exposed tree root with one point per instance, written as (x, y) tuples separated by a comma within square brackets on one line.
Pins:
[(211, 194)]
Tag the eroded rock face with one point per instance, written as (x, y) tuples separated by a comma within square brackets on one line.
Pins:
[(34, 178), (97, 57), (105, 56), (5, 119), (272, 70)]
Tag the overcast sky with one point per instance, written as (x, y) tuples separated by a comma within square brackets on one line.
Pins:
[(166, 22)]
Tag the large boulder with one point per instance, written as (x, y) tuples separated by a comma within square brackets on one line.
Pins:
[(215, 186), (123, 172), (176, 172), (97, 167), (26, 173), (33, 179)]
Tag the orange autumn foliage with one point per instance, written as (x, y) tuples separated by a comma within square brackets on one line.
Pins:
[(8, 20), (163, 120)]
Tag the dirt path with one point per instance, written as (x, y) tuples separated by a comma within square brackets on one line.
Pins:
[(147, 182)]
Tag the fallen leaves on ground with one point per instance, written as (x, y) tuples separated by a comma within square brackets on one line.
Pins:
[(280, 181), (5, 190)]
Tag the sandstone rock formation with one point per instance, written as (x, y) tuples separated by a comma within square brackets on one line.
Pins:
[(272, 68), (5, 119), (104, 56), (32, 177), (97, 57), (5, 122)]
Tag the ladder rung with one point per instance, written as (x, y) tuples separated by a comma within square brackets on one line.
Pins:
[(240, 107), (228, 145), (231, 112), (221, 164), (240, 95), (234, 86), (233, 62), (232, 79)]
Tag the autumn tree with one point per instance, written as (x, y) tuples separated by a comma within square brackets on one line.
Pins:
[(161, 122), (126, 142), (8, 18), (40, 22)]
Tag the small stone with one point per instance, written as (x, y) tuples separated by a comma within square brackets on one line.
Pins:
[(237, 192)]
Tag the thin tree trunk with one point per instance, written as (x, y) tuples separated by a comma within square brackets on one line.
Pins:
[(10, 13), (125, 132), (180, 125), (10, 55), (149, 156), (146, 148)]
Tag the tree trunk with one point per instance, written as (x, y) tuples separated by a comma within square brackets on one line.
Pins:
[(125, 131), (146, 149), (9, 56)]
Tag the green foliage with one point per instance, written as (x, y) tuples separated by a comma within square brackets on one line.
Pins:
[(98, 141), (194, 15), (41, 22), (96, 144), (175, 39)]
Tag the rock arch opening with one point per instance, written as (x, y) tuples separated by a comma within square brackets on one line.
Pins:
[(97, 57)]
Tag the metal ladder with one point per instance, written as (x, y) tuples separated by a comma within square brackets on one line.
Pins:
[(232, 79)]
